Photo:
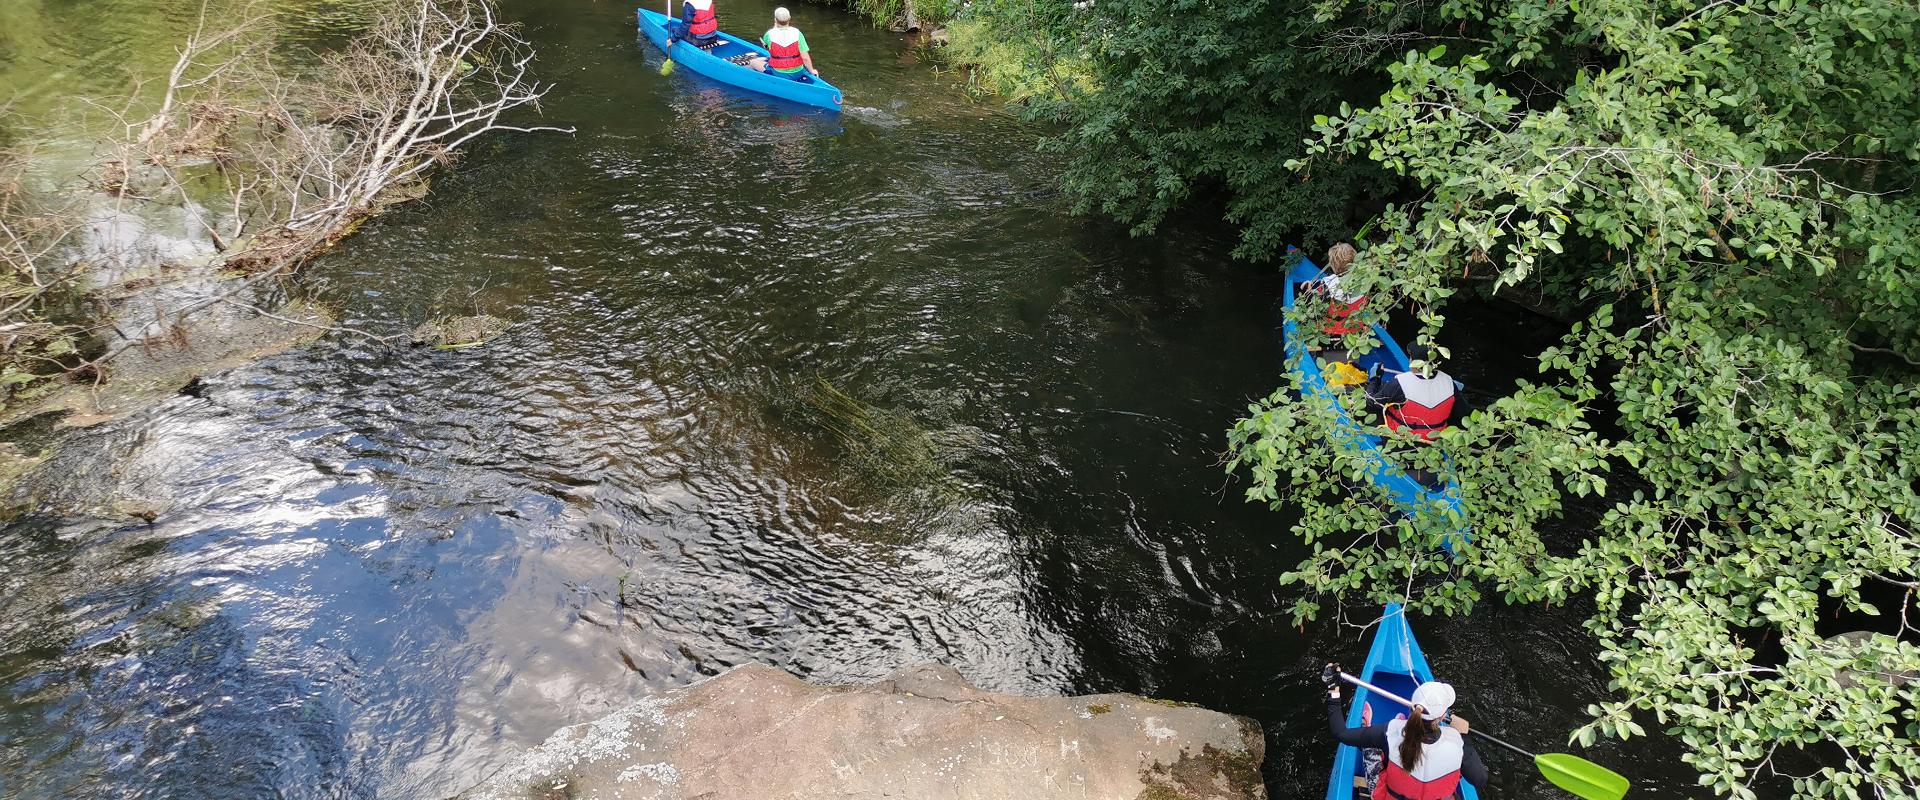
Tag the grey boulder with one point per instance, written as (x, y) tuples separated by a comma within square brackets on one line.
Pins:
[(923, 734)]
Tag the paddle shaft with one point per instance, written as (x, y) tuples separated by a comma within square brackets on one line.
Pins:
[(1409, 704)]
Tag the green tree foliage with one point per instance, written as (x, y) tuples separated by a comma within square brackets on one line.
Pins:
[(1726, 188), (1194, 100), (1723, 192), (1026, 50)]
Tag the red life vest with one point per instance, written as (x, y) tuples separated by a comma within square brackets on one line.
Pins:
[(1337, 314), (1399, 784), (1341, 305), (1436, 777), (704, 22), (1428, 405), (783, 57)]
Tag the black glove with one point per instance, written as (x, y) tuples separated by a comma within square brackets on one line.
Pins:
[(1330, 676)]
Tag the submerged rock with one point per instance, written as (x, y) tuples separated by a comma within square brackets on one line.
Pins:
[(758, 733), (173, 353), (451, 332), (1886, 671)]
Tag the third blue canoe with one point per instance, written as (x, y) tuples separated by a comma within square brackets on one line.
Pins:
[(1396, 664)]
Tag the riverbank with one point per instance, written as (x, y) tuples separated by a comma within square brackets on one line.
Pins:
[(137, 262)]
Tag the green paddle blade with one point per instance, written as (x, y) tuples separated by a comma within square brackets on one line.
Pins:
[(1581, 777), (667, 68)]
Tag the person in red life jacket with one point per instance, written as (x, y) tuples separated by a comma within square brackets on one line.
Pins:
[(1427, 752), (1419, 400), (1341, 304), (788, 54), (698, 25)]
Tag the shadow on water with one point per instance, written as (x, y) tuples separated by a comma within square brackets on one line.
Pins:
[(838, 394)]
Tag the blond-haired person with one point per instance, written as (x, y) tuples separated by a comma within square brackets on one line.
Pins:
[(1341, 305)]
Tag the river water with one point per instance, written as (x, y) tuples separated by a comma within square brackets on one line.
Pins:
[(837, 394)]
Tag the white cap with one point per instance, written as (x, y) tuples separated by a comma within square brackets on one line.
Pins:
[(1435, 697), (781, 14)]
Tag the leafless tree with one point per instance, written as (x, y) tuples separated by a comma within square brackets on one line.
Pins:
[(414, 90), (305, 157)]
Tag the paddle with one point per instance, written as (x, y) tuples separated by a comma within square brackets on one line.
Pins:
[(667, 68), (1577, 775)]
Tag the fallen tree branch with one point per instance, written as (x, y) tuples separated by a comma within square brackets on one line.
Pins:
[(308, 157)]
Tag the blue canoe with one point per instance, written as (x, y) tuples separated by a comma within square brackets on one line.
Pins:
[(1395, 664), (714, 64), (1407, 493)]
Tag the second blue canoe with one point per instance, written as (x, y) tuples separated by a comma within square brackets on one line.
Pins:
[(1408, 494)]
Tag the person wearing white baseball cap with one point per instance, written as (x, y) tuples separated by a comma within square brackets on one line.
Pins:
[(1427, 752), (788, 55)]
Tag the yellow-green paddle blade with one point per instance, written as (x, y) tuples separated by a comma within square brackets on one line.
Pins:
[(1581, 777), (667, 68)]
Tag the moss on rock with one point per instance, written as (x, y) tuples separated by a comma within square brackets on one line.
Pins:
[(447, 333)]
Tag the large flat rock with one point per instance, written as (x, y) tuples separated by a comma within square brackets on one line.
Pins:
[(758, 733)]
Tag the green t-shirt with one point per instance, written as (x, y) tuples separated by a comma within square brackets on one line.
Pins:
[(767, 42)]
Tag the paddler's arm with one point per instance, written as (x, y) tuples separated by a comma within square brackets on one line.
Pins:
[(806, 55), (1470, 766), (1370, 736), (676, 26), (1384, 389)]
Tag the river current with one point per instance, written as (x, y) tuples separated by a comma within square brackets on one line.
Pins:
[(834, 393)]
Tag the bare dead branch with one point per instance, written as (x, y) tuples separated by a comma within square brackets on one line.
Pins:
[(301, 159)]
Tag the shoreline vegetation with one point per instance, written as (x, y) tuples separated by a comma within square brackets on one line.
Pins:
[(217, 181), (1716, 200), (1718, 459)]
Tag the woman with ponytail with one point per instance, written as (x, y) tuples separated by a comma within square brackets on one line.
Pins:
[(1427, 752)]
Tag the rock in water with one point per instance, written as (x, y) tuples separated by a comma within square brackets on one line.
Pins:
[(452, 332), (757, 733)]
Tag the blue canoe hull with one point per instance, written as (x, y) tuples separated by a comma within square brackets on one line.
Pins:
[(1394, 663), (1406, 493), (715, 65)]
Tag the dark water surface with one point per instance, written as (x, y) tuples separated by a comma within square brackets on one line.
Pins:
[(834, 394)]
